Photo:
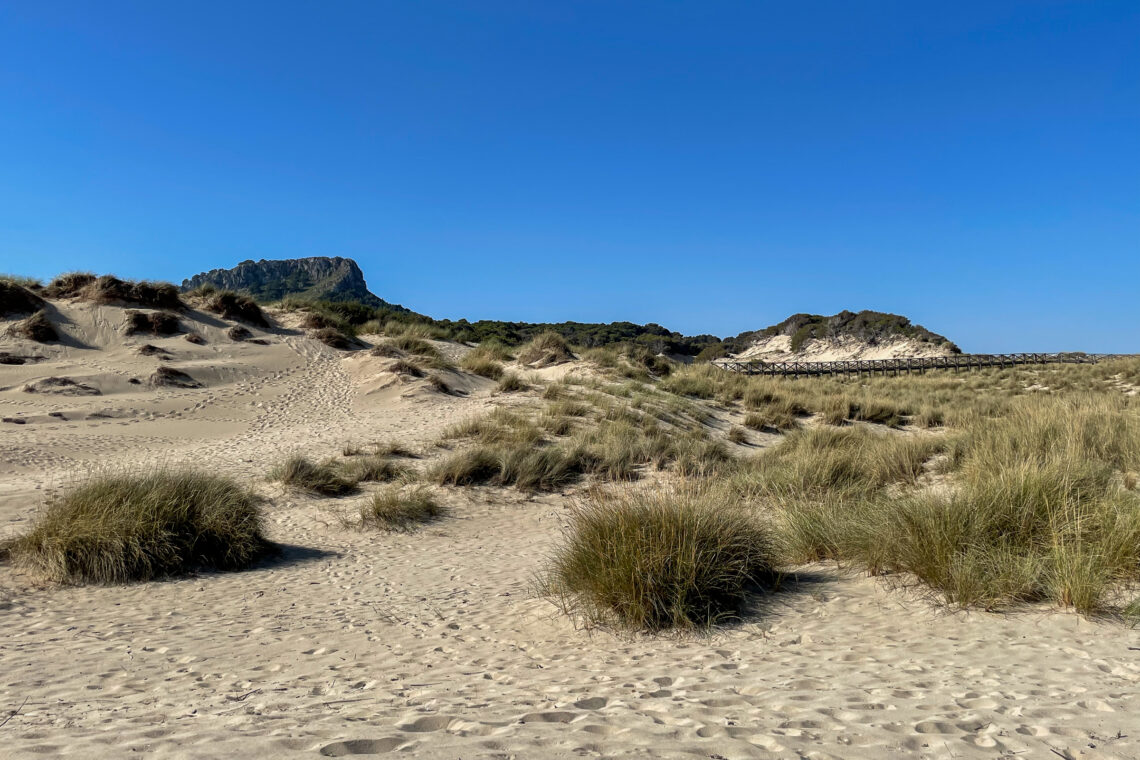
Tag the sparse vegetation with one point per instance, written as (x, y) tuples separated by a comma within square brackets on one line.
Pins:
[(482, 363), (546, 349), (652, 560), (36, 327), (325, 478), (16, 298), (510, 382), (122, 528), (168, 376), (110, 289), (399, 510), (152, 323), (231, 305), (333, 339)]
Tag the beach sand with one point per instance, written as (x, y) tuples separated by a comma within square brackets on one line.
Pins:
[(434, 644)]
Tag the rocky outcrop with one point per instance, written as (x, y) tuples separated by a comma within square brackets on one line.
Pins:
[(320, 278)]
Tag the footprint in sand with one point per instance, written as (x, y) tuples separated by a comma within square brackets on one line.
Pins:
[(361, 747)]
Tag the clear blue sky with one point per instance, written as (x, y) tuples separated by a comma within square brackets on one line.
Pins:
[(710, 166)]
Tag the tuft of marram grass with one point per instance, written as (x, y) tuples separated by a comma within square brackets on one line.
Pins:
[(397, 510), (374, 468), (511, 382), (122, 528), (324, 478), (479, 363), (15, 298), (152, 323), (36, 327), (651, 560), (546, 349), (333, 338), (233, 305)]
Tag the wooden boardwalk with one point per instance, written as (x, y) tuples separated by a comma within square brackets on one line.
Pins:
[(956, 362)]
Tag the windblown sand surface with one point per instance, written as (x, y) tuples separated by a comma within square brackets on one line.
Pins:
[(433, 644), (778, 348)]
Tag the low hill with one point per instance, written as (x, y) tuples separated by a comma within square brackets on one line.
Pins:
[(317, 278), (846, 335)]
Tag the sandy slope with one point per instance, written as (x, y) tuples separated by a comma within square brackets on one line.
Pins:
[(779, 348), (432, 644)]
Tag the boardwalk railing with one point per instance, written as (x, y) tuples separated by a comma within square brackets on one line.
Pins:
[(899, 365)]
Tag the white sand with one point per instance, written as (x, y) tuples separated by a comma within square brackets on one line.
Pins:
[(778, 348), (433, 644)]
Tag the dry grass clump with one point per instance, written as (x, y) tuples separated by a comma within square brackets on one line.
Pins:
[(239, 333), (197, 339), (406, 367), (69, 284), (170, 377), (397, 510), (494, 349), (324, 478), (649, 561), (512, 449), (546, 349), (152, 323), (510, 382), (828, 462), (123, 528), (737, 435), (231, 305), (375, 468), (36, 327), (480, 363), (333, 338), (17, 299), (1038, 508), (413, 344), (387, 351), (110, 289)]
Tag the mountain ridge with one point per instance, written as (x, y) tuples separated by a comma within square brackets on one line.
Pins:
[(318, 278)]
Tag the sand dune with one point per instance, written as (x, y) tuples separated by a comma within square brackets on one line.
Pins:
[(434, 644)]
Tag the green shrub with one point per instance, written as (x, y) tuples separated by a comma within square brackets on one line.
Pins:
[(658, 560), (137, 527)]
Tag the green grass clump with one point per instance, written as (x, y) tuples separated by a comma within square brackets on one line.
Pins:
[(324, 478), (649, 561), (395, 510), (136, 527)]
